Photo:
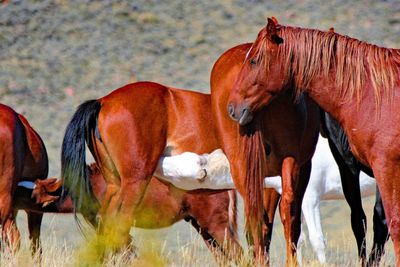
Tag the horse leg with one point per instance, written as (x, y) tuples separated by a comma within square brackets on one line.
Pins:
[(271, 200), (312, 216), (351, 190), (10, 234), (211, 243), (215, 240), (216, 221), (294, 184), (134, 160), (386, 171), (34, 223), (117, 215), (381, 233), (300, 245)]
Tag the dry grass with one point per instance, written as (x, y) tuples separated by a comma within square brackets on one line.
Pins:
[(180, 245), (152, 250)]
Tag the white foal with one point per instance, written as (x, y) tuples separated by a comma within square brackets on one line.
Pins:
[(324, 184)]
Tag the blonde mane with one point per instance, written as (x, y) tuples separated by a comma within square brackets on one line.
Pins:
[(310, 53)]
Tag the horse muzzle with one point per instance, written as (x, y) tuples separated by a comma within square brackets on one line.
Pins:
[(243, 115)]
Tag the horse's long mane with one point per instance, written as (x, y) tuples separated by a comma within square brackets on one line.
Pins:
[(309, 53)]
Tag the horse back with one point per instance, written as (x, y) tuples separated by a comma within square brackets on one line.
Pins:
[(182, 118), (190, 122)]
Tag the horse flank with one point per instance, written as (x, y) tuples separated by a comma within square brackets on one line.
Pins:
[(309, 53)]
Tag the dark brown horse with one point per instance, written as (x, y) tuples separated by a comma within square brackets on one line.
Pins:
[(355, 82), (212, 214), (128, 131), (23, 156), (281, 141)]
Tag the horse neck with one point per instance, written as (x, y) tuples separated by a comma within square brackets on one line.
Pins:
[(64, 204), (326, 94)]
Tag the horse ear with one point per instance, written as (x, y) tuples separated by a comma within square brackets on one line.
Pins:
[(43, 187), (272, 31)]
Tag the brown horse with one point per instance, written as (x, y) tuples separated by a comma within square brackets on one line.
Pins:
[(280, 142), (23, 156), (356, 82), (128, 131), (212, 214)]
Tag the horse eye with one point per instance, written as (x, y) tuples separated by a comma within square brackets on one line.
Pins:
[(253, 62)]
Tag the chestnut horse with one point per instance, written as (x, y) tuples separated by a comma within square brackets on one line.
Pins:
[(127, 132), (23, 156), (280, 142), (350, 170), (212, 214), (355, 82)]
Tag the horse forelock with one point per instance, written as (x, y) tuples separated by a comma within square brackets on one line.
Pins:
[(309, 53)]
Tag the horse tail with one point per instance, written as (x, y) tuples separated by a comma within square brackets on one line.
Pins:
[(73, 158), (252, 146), (232, 215)]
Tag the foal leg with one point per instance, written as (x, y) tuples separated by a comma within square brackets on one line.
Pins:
[(312, 216), (34, 223), (381, 233), (294, 184)]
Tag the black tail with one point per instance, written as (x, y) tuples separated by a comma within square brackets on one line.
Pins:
[(73, 158)]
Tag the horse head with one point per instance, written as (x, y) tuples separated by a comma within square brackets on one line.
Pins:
[(42, 193), (260, 77)]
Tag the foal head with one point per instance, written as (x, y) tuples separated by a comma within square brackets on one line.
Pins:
[(261, 76)]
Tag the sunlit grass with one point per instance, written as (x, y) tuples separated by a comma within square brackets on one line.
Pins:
[(154, 250), (180, 245)]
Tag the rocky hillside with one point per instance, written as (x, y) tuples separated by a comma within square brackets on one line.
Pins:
[(56, 54)]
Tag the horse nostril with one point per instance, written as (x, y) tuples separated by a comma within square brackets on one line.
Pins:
[(231, 110)]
